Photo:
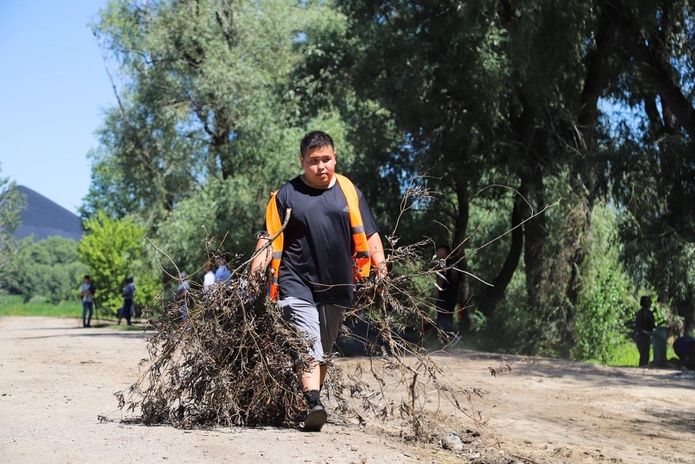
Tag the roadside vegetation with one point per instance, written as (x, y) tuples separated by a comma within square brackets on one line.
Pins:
[(556, 144)]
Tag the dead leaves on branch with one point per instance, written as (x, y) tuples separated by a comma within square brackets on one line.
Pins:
[(231, 361)]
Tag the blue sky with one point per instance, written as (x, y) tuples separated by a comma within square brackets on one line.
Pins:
[(53, 90)]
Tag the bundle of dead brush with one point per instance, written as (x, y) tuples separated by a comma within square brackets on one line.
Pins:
[(220, 358), (227, 358)]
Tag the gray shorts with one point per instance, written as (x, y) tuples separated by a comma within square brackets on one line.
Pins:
[(318, 323)]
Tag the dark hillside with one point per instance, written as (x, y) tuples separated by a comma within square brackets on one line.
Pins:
[(45, 218)]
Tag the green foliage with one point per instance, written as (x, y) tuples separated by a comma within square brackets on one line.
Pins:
[(605, 312), (14, 305), (215, 95), (220, 216), (203, 96), (650, 225), (113, 249), (12, 202), (50, 268)]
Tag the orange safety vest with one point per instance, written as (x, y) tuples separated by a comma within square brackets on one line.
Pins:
[(361, 254)]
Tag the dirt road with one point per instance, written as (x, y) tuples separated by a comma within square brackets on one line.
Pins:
[(56, 379)]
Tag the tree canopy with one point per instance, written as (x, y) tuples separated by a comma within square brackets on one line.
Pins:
[(12, 202), (113, 250), (557, 139)]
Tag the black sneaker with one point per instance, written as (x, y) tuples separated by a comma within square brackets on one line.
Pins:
[(315, 418)]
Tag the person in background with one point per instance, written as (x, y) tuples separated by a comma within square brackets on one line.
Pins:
[(644, 326), (222, 273), (182, 295), (330, 236), (128, 309), (684, 347), (445, 298), (87, 301), (209, 277)]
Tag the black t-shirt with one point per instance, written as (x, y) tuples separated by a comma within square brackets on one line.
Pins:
[(317, 263), (447, 294), (644, 320)]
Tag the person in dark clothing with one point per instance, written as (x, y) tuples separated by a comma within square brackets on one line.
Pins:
[(445, 298), (330, 236), (684, 347), (644, 325), (181, 297), (128, 308)]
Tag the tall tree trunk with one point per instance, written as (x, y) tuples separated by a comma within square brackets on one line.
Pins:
[(579, 219), (532, 188), (535, 236), (220, 144), (460, 235), (494, 294)]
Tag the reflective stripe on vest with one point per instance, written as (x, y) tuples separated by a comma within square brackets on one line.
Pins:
[(361, 256)]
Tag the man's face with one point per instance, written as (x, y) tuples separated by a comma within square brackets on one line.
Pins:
[(319, 166)]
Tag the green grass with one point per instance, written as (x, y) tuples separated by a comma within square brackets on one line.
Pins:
[(12, 305), (626, 355)]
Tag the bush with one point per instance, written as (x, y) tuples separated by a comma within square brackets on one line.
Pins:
[(50, 268)]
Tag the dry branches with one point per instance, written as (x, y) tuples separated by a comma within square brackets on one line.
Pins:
[(230, 360)]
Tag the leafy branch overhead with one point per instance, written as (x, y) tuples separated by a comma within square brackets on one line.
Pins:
[(591, 102)]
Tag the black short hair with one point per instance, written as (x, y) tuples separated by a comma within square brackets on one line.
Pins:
[(446, 247), (645, 301), (87, 277), (315, 139)]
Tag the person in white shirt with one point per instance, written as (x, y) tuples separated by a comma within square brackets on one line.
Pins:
[(209, 278)]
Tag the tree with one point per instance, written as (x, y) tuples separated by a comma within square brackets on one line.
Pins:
[(652, 164), (12, 202), (114, 249), (49, 268), (479, 98), (198, 100)]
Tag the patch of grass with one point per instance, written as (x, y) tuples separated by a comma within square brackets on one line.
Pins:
[(13, 305), (626, 355)]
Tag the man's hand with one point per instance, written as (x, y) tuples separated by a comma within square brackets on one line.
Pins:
[(258, 280), (382, 278)]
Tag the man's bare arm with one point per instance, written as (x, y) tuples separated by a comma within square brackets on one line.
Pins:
[(262, 256), (376, 252)]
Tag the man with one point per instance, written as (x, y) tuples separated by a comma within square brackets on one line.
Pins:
[(209, 278), (644, 326), (445, 298), (330, 237), (128, 309), (87, 301), (182, 292), (222, 274)]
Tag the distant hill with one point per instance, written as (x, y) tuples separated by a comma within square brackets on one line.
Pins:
[(45, 218)]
